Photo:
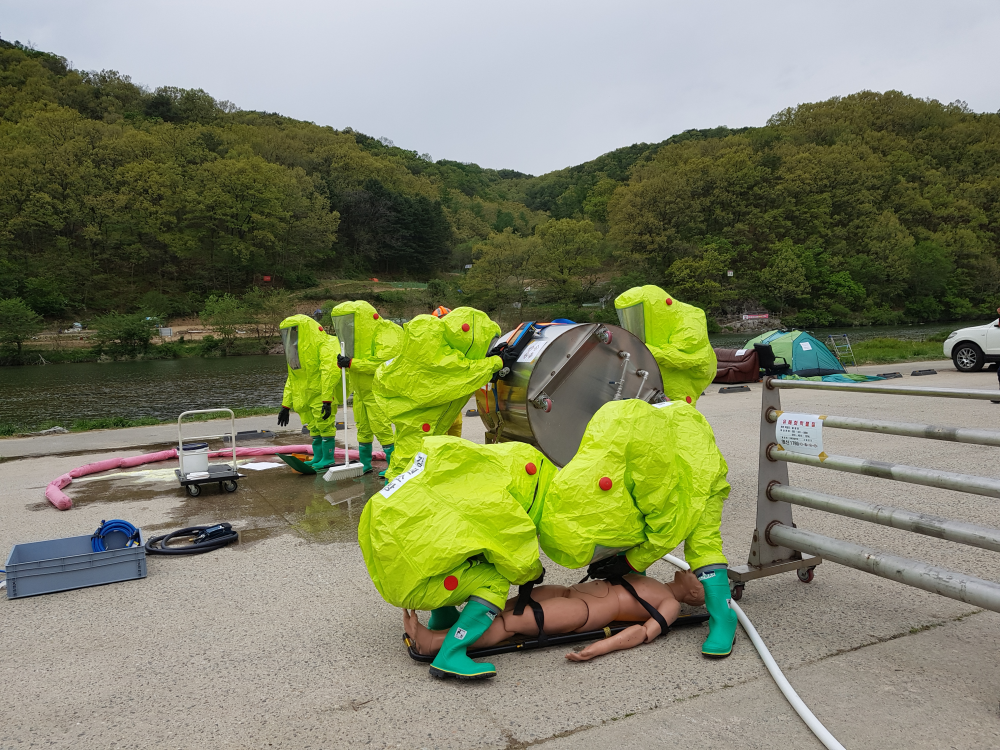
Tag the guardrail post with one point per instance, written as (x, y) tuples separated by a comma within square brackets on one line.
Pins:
[(765, 559)]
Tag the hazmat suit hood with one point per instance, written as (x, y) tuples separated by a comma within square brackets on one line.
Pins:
[(457, 500), (311, 355), (639, 482), (369, 340), (677, 335), (470, 331)]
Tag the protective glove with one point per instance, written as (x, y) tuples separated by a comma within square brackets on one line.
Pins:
[(327, 410), (343, 362), (610, 567), (509, 357), (283, 416)]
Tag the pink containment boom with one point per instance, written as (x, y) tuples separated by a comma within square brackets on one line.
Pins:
[(55, 495)]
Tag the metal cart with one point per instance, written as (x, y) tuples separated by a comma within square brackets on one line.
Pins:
[(224, 474)]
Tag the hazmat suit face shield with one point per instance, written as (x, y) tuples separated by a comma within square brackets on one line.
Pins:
[(343, 329), (290, 341), (633, 320)]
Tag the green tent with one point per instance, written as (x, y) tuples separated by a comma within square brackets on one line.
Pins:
[(807, 355)]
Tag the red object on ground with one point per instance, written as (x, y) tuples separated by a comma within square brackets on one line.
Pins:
[(531, 469), (55, 495), (451, 583), (425, 427), (605, 483)]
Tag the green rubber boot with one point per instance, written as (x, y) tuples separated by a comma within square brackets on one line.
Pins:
[(317, 450), (443, 618), (329, 457), (451, 660), (365, 454), (721, 619), (388, 455)]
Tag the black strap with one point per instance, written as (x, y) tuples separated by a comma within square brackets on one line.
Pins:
[(524, 599), (653, 612)]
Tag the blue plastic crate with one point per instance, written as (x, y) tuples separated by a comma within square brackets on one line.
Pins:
[(66, 564)]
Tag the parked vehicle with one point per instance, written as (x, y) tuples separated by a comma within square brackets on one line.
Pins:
[(971, 348)]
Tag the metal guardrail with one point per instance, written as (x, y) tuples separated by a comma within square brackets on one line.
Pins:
[(779, 546)]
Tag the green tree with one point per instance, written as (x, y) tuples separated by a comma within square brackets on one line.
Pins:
[(568, 259), (226, 314), (123, 336), (500, 271), (18, 323)]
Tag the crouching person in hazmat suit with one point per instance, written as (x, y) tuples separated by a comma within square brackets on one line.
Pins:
[(646, 478), (369, 340), (454, 528), (312, 386), (441, 363), (677, 336)]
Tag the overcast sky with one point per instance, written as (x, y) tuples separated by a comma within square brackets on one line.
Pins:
[(533, 86)]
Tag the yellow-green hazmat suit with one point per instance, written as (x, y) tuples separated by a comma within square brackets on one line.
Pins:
[(441, 363), (457, 524), (313, 375), (645, 479), (374, 340), (676, 334)]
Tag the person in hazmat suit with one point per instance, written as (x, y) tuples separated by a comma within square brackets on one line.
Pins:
[(456, 427), (442, 362), (368, 340), (457, 526), (311, 388), (646, 478), (677, 336)]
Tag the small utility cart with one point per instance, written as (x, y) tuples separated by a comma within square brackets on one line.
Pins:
[(195, 470)]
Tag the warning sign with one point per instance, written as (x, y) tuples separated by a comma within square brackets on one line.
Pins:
[(801, 433)]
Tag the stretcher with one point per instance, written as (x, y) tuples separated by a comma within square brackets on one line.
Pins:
[(530, 643)]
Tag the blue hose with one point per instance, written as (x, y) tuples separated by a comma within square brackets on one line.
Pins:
[(106, 527)]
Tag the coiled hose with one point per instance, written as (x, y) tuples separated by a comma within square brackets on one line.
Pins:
[(114, 525), (205, 539)]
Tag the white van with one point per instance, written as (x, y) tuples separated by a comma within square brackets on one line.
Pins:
[(971, 348)]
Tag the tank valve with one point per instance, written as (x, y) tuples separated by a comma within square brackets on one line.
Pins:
[(543, 402), (603, 335)]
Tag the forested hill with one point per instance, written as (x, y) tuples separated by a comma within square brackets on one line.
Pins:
[(869, 208)]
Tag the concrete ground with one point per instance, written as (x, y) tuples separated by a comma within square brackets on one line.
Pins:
[(283, 642)]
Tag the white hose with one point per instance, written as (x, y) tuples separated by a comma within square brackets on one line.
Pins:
[(821, 732)]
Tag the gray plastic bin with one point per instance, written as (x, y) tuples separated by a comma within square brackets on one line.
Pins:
[(66, 564)]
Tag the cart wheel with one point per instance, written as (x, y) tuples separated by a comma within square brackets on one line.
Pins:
[(193, 490), (738, 591), (229, 485), (806, 574), (548, 405)]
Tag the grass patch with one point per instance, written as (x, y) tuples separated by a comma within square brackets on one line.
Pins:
[(888, 351)]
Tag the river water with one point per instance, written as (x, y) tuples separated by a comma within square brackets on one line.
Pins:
[(157, 388), (165, 388)]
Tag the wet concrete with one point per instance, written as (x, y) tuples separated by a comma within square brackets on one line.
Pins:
[(266, 503)]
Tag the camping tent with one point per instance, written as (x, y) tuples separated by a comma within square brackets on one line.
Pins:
[(807, 355)]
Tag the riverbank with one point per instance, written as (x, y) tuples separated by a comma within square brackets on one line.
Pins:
[(55, 427)]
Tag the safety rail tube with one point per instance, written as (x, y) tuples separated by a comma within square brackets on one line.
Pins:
[(908, 429), (921, 575), (892, 390), (984, 537), (945, 480)]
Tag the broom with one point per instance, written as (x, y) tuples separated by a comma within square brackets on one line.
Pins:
[(348, 470)]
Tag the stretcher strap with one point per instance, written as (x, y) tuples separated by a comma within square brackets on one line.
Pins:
[(524, 599), (653, 612)]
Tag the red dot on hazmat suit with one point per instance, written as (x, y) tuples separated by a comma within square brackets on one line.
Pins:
[(531, 469), (605, 483), (669, 301), (688, 399), (451, 583), (465, 327), (425, 427), (375, 316)]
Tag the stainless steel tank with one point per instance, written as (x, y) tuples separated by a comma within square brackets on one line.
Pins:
[(563, 376)]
